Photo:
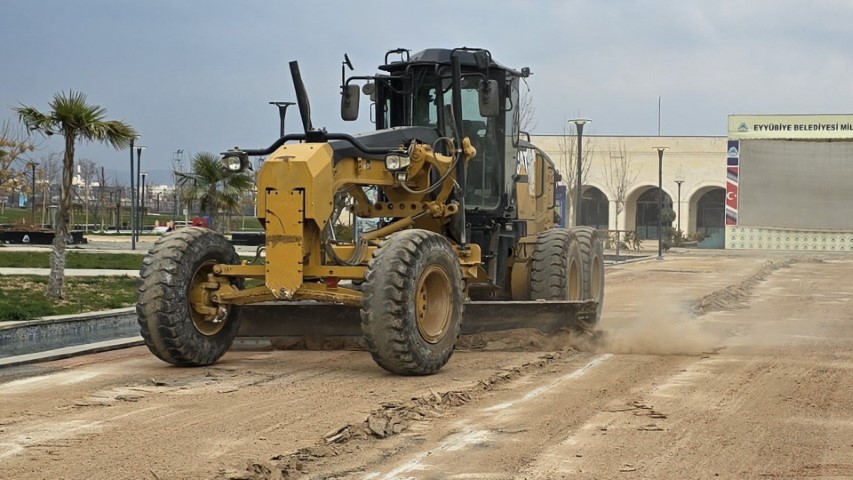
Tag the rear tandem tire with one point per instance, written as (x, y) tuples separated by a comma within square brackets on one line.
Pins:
[(556, 272), (169, 283), (592, 258), (411, 311)]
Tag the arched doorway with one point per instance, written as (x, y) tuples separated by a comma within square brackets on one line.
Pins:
[(595, 211), (711, 212), (648, 214)]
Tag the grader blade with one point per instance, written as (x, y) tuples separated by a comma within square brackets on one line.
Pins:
[(322, 320)]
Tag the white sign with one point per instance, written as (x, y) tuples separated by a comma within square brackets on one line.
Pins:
[(791, 127)]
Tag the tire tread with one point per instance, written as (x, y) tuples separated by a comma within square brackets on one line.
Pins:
[(161, 301), (387, 314)]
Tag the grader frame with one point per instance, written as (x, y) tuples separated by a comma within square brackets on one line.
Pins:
[(486, 243)]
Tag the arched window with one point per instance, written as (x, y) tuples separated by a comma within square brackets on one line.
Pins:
[(711, 212), (595, 209), (648, 214)]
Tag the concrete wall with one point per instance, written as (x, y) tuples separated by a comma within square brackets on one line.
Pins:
[(796, 184), (18, 338)]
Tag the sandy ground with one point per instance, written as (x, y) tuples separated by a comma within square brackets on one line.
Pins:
[(707, 365)]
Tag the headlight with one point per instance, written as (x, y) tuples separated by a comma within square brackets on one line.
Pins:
[(395, 161), (232, 163), (235, 162)]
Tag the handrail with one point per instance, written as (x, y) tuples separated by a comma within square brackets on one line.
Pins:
[(317, 136)]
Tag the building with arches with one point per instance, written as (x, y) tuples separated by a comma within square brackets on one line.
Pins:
[(777, 182), (694, 181)]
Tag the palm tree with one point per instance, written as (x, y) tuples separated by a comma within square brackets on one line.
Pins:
[(74, 119), (216, 190)]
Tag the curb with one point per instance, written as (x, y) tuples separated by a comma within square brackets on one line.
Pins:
[(61, 332), (68, 352)]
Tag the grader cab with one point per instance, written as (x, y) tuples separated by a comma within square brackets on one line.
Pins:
[(462, 235)]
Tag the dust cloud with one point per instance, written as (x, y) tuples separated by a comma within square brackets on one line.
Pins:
[(660, 333), (660, 329)]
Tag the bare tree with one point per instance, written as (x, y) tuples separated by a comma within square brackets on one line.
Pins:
[(619, 176), (526, 112), (180, 194), (51, 171), (101, 203), (87, 170), (15, 144), (567, 147), (121, 194)]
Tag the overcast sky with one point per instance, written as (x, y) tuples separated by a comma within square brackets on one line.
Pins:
[(198, 75)]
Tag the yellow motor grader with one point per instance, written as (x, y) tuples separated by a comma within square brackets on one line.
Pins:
[(461, 235)]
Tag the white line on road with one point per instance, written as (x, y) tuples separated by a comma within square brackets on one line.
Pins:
[(467, 436), (538, 391)]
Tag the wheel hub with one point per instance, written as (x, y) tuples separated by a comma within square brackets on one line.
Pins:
[(208, 316), (574, 281), (433, 304)]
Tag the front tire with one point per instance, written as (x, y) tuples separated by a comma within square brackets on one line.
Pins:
[(592, 258), (411, 311), (177, 318), (556, 271)]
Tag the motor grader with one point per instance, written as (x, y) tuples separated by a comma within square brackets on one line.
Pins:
[(463, 240)]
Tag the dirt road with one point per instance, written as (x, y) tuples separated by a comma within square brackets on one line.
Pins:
[(753, 381)]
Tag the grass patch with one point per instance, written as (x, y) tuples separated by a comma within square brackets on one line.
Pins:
[(112, 261), (117, 261), (24, 296), (12, 215)]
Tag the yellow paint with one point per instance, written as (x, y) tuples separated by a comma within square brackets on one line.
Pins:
[(294, 202)]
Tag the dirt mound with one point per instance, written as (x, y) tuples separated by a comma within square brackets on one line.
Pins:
[(737, 296), (518, 340), (662, 327), (529, 340), (391, 418)]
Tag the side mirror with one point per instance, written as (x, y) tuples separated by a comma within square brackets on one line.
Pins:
[(349, 102), (489, 106)]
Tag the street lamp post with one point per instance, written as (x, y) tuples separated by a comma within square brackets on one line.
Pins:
[(678, 222), (660, 200), (132, 201), (579, 123), (177, 165), (679, 179), (282, 110), (118, 210), (33, 214), (142, 203), (45, 196), (137, 194)]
